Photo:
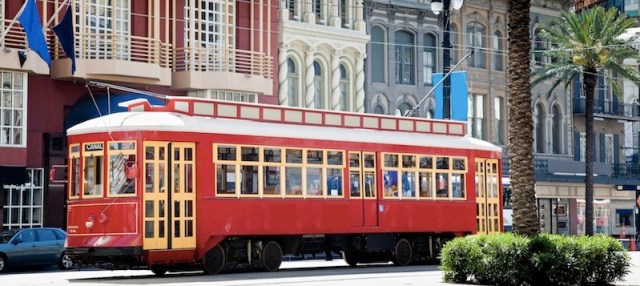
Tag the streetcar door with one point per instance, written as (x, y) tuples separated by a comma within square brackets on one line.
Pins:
[(363, 206), (169, 195), (487, 196)]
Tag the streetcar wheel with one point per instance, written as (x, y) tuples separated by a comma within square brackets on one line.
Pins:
[(3, 263), (65, 262), (159, 270), (271, 256), (214, 260), (403, 253), (350, 258)]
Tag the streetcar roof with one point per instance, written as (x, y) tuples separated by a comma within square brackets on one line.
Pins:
[(177, 122)]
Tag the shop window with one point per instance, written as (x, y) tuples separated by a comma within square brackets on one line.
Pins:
[(624, 217)]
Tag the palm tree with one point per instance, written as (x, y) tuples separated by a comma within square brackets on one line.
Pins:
[(584, 45), (525, 220)]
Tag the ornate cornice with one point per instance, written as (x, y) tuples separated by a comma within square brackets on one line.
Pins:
[(354, 38)]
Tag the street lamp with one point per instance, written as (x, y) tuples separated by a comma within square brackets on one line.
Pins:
[(444, 6)]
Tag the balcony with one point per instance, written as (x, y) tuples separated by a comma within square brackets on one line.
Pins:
[(222, 69), (115, 57), (617, 110), (15, 42), (564, 169)]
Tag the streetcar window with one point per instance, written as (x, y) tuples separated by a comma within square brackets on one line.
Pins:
[(408, 161), (294, 155), (390, 180), (442, 185), (226, 153), (74, 171), (426, 162), (334, 182), (426, 184), (459, 164), (93, 175), (75, 177), (369, 161), (315, 157), (249, 180), (314, 181), (391, 160), (273, 155), (293, 177), (369, 184), (121, 174), (226, 179), (354, 175), (334, 158), (408, 184), (271, 180), (250, 154), (442, 163), (457, 185)]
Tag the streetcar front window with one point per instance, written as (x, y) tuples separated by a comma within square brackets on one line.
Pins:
[(92, 176), (74, 171)]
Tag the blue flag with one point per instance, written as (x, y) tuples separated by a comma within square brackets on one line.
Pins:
[(30, 21), (458, 96), (64, 31)]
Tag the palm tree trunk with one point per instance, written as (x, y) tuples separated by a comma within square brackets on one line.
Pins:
[(589, 84), (525, 219)]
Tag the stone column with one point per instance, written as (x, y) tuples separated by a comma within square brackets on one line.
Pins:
[(308, 79), (335, 81), (359, 102), (283, 83)]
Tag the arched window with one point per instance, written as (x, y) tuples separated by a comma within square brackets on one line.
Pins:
[(540, 129), (403, 109), (378, 109), (293, 81), (475, 41), (539, 47), (557, 130), (498, 52), (453, 38), (428, 58), (318, 84), (405, 61), (378, 55), (345, 89)]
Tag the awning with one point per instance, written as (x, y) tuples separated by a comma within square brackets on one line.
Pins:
[(85, 108), (13, 175)]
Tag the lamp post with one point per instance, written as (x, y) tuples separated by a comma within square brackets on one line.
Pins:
[(444, 6)]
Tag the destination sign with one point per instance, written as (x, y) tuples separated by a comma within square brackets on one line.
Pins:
[(93, 147)]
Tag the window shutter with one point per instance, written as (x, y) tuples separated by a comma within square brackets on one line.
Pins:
[(616, 149), (602, 149), (576, 146)]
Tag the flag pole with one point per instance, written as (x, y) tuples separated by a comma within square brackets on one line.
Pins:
[(53, 17), (15, 19)]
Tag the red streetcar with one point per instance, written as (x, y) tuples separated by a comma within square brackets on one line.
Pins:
[(210, 184)]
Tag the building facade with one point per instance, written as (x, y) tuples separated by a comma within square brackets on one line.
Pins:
[(222, 49)]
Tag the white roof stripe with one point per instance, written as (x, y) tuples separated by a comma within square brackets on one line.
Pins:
[(166, 121)]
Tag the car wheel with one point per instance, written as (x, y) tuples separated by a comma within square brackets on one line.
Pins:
[(65, 262), (3, 263)]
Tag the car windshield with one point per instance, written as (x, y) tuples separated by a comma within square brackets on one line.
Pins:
[(6, 235)]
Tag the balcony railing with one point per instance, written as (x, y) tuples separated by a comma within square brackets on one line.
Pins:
[(540, 166), (107, 46), (223, 60), (629, 171), (15, 38), (608, 108)]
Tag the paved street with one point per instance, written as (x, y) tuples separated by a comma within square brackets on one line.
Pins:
[(305, 272)]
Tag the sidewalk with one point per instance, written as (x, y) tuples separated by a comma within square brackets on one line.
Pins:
[(633, 278)]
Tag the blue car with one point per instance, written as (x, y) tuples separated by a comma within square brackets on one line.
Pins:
[(33, 247)]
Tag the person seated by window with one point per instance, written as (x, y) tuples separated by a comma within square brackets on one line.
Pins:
[(334, 184), (407, 187)]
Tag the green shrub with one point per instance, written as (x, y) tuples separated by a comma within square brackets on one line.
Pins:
[(556, 260), (606, 260), (460, 258), (545, 259), (505, 260)]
